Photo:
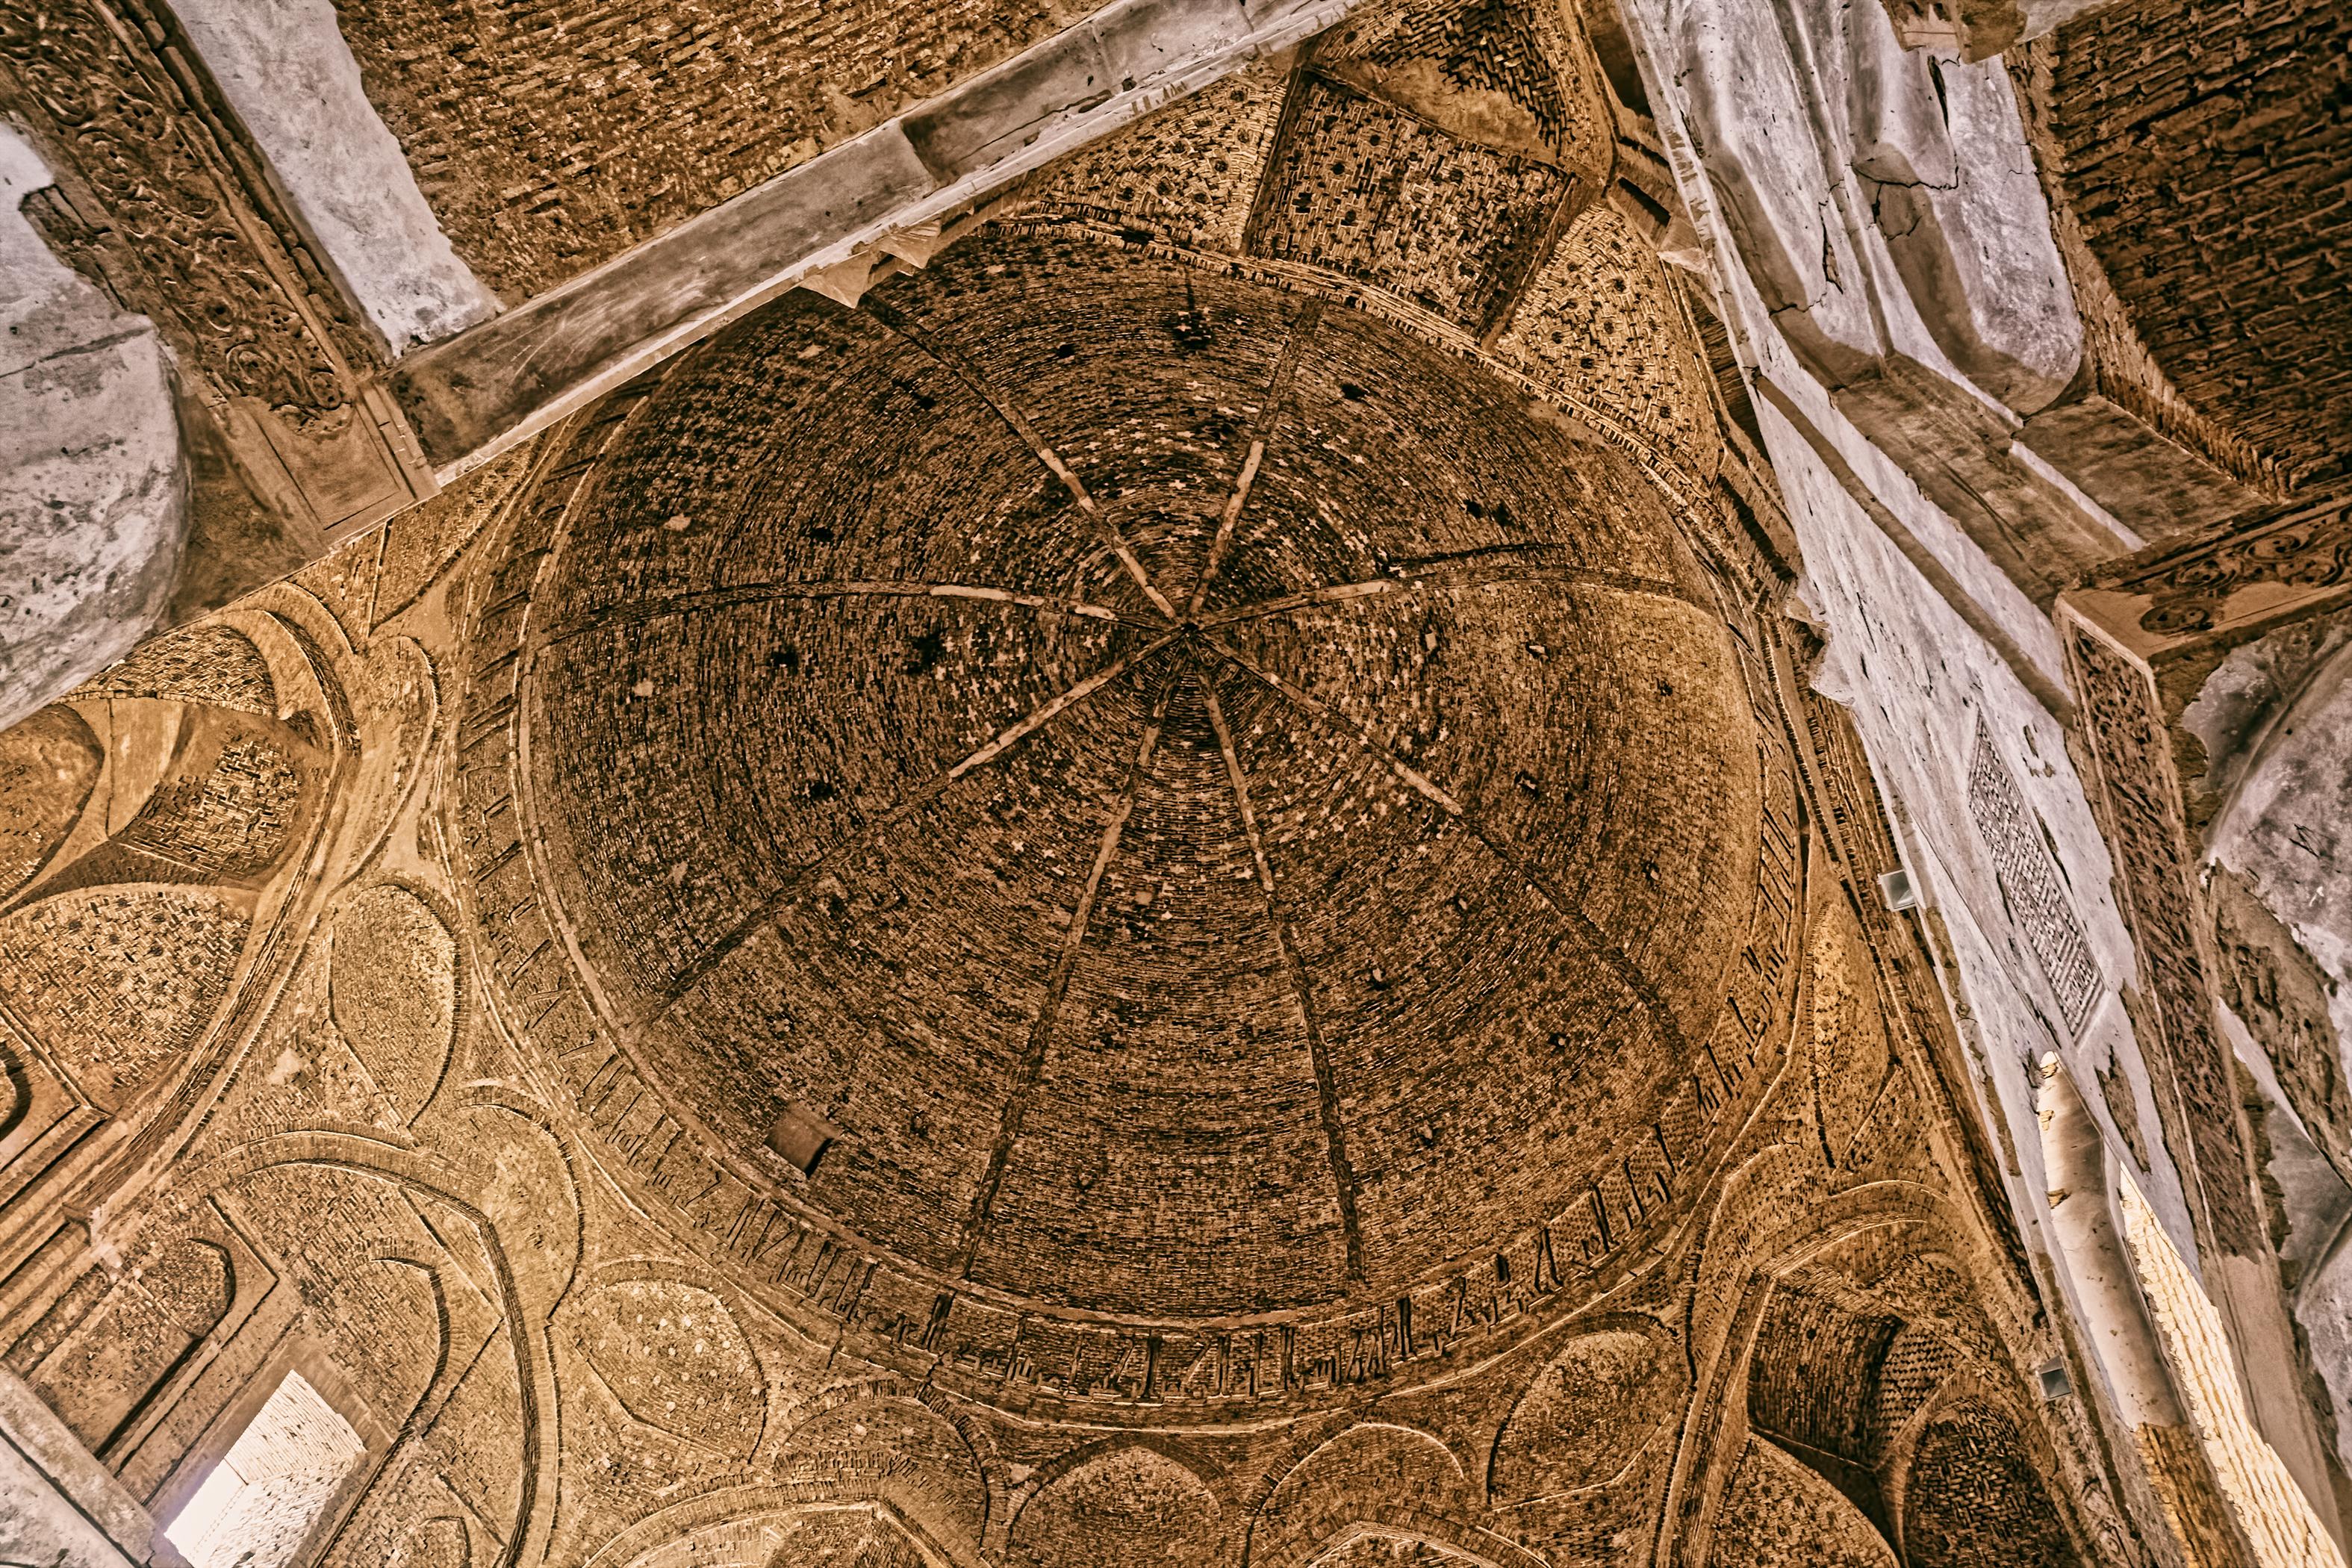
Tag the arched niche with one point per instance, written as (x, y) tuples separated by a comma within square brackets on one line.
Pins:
[(893, 1448), (1591, 1414), (840, 1538), (748, 1528), (118, 981), (48, 766), (671, 1355), (1371, 1547), (1374, 1481), (1130, 1507), (392, 992), (1778, 1512), (1974, 1497), (762, 1526), (211, 664), (98, 1368)]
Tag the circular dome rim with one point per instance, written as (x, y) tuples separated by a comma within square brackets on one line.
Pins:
[(847, 1231)]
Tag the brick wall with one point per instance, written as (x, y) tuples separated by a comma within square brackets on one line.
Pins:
[(2208, 157), (549, 137)]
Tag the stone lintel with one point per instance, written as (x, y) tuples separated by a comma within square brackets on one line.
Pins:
[(83, 1513), (478, 392)]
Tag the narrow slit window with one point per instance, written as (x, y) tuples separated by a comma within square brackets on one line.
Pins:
[(256, 1507)]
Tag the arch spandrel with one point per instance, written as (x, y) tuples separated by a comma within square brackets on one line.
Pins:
[(1976, 1495), (1779, 1511), (671, 1355), (889, 1447), (1605, 1403)]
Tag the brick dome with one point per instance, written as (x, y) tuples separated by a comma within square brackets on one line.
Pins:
[(1213, 806)]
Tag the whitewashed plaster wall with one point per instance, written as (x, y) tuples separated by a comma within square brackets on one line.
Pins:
[(1883, 200), (94, 512), (1865, 205), (285, 69), (1918, 682), (1795, 161), (2287, 830)]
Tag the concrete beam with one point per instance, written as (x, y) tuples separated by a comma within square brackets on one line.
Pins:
[(473, 395)]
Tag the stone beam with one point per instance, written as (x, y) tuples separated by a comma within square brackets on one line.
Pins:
[(345, 175), (64, 1507), (93, 515), (473, 395)]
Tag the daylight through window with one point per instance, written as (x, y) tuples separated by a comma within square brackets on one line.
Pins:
[(260, 1501)]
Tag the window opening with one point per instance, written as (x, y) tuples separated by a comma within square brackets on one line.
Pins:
[(256, 1507)]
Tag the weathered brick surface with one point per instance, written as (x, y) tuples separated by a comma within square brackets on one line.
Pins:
[(1364, 189), (48, 766), (1779, 1514), (121, 978), (1188, 171), (548, 137), (215, 665), (1442, 161), (2207, 154), (1311, 1062)]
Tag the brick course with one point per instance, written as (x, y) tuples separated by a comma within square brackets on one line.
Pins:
[(2207, 154), (549, 136)]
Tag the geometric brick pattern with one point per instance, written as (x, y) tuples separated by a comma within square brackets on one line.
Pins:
[(1287, 880), (2029, 882)]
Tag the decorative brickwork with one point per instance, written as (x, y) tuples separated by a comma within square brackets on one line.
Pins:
[(1356, 175), (1591, 324), (1588, 1417), (223, 815), (1342, 976), (1130, 1505), (1269, 748), (547, 142), (2262, 1496), (1988, 1508), (2118, 364), (2196, 1095), (1779, 1514), (118, 981), (2029, 880), (118, 1337), (215, 665), (1189, 172), (1510, 74), (182, 230), (2203, 155), (393, 993), (1491, 47), (1328, 168)]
